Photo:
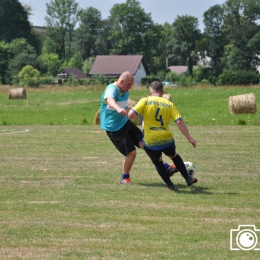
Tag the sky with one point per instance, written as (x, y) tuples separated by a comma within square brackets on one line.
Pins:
[(161, 10)]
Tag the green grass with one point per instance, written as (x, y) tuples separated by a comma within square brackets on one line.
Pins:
[(60, 196), (78, 105)]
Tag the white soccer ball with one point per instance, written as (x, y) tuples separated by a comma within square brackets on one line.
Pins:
[(190, 168)]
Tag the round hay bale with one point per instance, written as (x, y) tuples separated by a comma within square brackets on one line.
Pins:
[(17, 93), (242, 104), (130, 104), (97, 118), (167, 96)]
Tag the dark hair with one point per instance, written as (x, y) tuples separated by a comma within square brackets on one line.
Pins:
[(156, 86)]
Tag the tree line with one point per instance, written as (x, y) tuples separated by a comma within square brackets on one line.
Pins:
[(228, 49)]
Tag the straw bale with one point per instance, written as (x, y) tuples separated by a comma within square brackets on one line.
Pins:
[(17, 93), (97, 118), (130, 104), (167, 96), (242, 104)]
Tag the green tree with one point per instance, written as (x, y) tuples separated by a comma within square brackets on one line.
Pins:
[(214, 42), (62, 17), (185, 35), (4, 60), (49, 46), (76, 61), (162, 59), (104, 45), (51, 63), (14, 22), (21, 54), (87, 64), (242, 32), (130, 28), (88, 32)]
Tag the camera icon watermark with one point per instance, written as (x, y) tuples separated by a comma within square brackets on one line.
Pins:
[(244, 238)]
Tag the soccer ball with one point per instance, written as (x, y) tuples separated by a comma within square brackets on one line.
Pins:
[(190, 168)]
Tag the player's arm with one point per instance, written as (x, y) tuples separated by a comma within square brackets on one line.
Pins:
[(132, 114), (112, 103), (184, 129), (137, 109)]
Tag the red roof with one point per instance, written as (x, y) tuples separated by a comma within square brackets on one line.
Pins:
[(115, 65), (73, 71), (179, 69)]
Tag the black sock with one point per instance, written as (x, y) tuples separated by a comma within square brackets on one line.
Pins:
[(163, 173), (178, 162)]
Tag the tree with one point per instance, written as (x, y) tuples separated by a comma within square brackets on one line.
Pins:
[(4, 60), (51, 63), (214, 42), (130, 28), (185, 35), (161, 49), (62, 17), (76, 61), (87, 64), (103, 43), (242, 31), (21, 54), (14, 22), (88, 32)]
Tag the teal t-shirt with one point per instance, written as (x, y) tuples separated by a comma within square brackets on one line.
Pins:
[(110, 119)]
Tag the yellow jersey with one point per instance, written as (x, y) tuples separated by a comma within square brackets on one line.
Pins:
[(157, 113)]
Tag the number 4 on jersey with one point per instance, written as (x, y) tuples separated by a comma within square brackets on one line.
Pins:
[(159, 117)]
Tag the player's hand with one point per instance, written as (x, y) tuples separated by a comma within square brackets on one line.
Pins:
[(122, 112), (193, 142)]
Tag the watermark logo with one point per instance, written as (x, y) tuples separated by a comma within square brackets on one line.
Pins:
[(244, 238)]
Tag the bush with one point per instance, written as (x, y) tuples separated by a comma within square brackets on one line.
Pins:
[(33, 82), (46, 80), (172, 77), (161, 75), (186, 80), (72, 81), (146, 81), (29, 76), (96, 80), (238, 78)]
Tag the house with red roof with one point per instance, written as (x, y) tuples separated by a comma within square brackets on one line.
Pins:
[(65, 73), (112, 66)]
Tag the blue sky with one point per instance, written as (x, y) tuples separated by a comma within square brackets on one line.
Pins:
[(161, 11)]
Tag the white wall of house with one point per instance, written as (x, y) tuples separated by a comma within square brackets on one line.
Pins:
[(140, 73)]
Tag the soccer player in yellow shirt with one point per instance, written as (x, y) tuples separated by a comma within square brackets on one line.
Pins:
[(157, 138)]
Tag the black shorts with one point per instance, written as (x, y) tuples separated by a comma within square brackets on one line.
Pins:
[(126, 138), (155, 155)]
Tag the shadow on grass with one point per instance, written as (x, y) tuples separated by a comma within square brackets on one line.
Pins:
[(182, 188)]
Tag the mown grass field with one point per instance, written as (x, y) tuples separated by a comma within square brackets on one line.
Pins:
[(60, 196), (61, 105)]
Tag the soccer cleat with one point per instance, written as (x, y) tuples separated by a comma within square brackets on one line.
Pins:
[(191, 181), (126, 181), (172, 169), (170, 188)]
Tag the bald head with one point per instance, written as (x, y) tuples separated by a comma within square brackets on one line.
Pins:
[(127, 75), (125, 81)]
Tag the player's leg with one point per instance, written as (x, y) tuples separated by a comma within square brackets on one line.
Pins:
[(125, 146), (170, 168), (156, 158), (137, 135), (178, 162)]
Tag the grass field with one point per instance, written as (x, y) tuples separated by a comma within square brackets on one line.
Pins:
[(60, 196), (61, 105)]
